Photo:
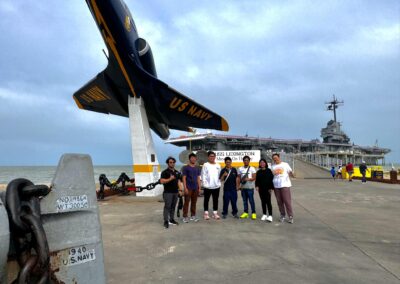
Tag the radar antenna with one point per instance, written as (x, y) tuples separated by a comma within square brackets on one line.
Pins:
[(333, 105)]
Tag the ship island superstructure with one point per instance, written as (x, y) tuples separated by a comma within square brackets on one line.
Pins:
[(334, 149)]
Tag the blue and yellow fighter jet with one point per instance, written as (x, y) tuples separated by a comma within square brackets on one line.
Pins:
[(131, 72)]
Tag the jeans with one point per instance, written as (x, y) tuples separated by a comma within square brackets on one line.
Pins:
[(230, 196), (248, 195), (170, 200), (364, 179)]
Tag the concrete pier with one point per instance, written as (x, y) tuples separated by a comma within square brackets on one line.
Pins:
[(343, 233)]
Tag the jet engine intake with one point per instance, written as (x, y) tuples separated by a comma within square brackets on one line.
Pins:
[(146, 56)]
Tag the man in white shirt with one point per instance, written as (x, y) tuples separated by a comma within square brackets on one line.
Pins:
[(247, 176), (282, 184), (211, 184)]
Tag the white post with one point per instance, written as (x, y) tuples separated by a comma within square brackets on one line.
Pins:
[(145, 163), (293, 163)]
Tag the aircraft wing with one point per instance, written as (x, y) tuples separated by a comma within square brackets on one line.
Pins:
[(98, 95), (181, 112), (166, 107)]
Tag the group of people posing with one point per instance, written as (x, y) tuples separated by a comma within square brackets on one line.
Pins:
[(210, 178)]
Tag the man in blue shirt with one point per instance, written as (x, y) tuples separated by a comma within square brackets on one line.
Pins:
[(191, 184)]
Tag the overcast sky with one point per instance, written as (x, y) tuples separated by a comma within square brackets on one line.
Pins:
[(268, 67)]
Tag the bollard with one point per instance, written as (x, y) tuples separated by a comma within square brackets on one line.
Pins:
[(70, 219), (72, 224), (4, 242)]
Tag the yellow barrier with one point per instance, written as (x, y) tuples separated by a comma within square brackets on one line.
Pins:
[(240, 164), (145, 168), (357, 173)]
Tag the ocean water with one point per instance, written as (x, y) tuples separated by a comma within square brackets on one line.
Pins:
[(45, 174), (388, 167)]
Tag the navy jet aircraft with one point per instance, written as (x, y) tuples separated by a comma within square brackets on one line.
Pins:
[(131, 72)]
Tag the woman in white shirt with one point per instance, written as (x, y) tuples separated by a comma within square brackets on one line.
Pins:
[(282, 184)]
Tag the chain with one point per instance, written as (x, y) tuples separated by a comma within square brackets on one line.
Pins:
[(28, 235), (150, 186)]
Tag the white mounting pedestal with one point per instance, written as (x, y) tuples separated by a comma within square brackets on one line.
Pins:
[(145, 163)]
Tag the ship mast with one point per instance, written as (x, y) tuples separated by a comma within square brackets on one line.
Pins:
[(333, 105)]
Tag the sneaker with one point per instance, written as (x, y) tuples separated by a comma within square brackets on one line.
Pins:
[(235, 216), (185, 220), (269, 218), (215, 215), (173, 222), (282, 219), (206, 217), (223, 216), (194, 219), (254, 216), (264, 218), (166, 225), (244, 215), (290, 220)]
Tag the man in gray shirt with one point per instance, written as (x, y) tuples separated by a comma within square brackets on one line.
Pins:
[(247, 176)]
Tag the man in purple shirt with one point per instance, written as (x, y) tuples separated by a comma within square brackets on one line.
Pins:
[(191, 184)]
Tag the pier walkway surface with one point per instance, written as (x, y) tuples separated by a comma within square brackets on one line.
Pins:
[(307, 170), (343, 233)]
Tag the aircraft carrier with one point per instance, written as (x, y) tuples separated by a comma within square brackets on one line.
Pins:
[(334, 149)]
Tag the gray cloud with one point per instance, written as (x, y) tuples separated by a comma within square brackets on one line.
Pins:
[(268, 67)]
